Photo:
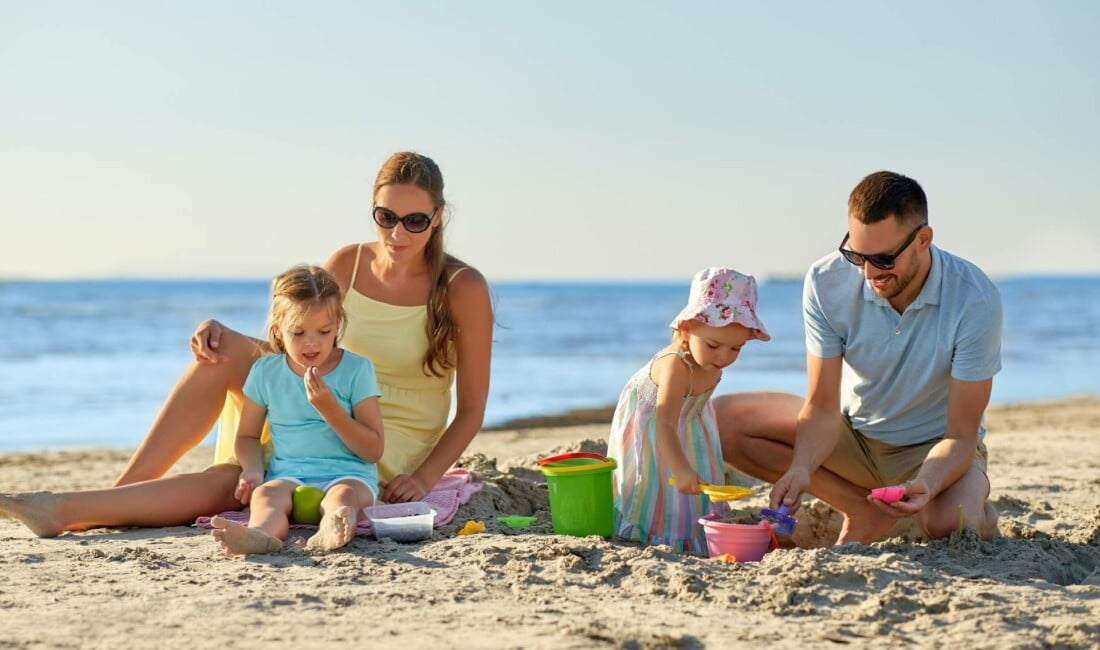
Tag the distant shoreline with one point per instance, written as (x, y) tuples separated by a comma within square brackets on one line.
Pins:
[(603, 414)]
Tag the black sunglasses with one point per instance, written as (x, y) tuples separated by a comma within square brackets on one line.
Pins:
[(414, 222), (881, 260)]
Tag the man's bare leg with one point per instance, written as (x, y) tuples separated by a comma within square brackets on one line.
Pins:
[(757, 431)]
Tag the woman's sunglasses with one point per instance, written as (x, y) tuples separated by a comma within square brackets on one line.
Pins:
[(882, 261), (414, 222)]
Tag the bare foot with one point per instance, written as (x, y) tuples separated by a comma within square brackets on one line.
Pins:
[(865, 527), (35, 510), (336, 529), (236, 539), (990, 530)]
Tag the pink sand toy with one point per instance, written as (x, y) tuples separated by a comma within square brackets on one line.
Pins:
[(891, 494)]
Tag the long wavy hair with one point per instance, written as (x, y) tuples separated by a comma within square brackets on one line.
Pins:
[(409, 168)]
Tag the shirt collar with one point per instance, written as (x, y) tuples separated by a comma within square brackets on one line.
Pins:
[(929, 293)]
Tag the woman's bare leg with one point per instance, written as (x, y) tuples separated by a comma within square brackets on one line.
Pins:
[(172, 501), (191, 409)]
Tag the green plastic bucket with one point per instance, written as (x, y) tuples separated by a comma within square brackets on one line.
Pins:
[(580, 496)]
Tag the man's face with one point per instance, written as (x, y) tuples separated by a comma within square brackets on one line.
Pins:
[(887, 237)]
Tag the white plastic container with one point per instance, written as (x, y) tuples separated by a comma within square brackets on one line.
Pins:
[(402, 522)]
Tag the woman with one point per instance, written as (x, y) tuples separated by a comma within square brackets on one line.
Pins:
[(422, 316)]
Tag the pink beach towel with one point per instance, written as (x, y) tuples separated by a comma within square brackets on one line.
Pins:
[(455, 488)]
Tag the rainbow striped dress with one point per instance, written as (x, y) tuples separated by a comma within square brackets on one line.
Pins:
[(647, 508)]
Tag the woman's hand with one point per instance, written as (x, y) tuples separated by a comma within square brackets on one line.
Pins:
[(249, 481), (402, 488), (205, 341)]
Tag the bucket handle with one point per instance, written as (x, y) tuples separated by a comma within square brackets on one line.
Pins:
[(568, 456), (566, 469), (771, 531)]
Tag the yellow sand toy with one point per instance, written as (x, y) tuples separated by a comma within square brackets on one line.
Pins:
[(720, 492)]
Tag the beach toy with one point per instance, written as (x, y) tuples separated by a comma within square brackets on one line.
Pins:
[(472, 528), (745, 542), (517, 521), (580, 494), (720, 492), (725, 557), (782, 522), (891, 494)]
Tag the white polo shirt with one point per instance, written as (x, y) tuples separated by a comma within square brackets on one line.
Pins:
[(901, 365)]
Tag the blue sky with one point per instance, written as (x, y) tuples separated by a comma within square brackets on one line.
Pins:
[(578, 140)]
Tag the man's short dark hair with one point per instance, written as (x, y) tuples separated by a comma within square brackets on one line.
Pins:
[(884, 194)]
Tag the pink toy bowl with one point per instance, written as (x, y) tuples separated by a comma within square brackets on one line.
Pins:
[(747, 543)]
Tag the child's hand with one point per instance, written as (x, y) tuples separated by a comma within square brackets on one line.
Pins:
[(317, 391), (687, 481), (248, 482)]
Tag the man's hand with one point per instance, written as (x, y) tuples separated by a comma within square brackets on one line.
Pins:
[(789, 488), (917, 496)]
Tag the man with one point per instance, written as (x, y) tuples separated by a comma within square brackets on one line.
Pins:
[(919, 332)]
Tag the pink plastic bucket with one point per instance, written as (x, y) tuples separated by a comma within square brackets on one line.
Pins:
[(747, 543)]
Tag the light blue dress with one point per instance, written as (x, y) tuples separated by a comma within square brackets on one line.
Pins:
[(305, 447)]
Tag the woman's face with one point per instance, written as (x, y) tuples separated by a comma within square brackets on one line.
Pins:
[(399, 244)]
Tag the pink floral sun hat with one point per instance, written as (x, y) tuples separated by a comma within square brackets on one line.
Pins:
[(720, 296)]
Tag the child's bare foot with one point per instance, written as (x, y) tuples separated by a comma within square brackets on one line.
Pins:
[(35, 510), (236, 539), (336, 529)]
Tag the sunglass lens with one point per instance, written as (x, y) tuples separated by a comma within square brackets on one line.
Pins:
[(417, 222), (385, 218), (883, 262), (854, 258)]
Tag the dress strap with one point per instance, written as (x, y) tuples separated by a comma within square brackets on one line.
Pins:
[(683, 357), (455, 274), (355, 269)]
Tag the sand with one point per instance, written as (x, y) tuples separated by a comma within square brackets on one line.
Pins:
[(1037, 586)]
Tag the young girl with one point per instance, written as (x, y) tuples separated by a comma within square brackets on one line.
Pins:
[(326, 426), (664, 426)]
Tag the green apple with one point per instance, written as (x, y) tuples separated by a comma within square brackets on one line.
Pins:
[(307, 504)]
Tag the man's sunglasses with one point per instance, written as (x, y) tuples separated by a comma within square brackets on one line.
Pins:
[(881, 260), (413, 222)]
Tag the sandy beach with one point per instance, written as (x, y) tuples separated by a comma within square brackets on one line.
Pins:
[(1037, 586)]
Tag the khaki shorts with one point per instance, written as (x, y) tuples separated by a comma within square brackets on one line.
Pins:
[(870, 463)]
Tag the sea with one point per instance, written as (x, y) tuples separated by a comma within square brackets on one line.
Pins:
[(86, 364)]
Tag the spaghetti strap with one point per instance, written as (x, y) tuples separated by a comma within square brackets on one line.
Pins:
[(683, 357), (355, 269), (455, 274)]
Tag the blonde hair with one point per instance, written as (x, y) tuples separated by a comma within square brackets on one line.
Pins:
[(409, 168), (678, 337), (294, 294)]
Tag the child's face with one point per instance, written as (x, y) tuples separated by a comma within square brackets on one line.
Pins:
[(312, 341), (714, 348)]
